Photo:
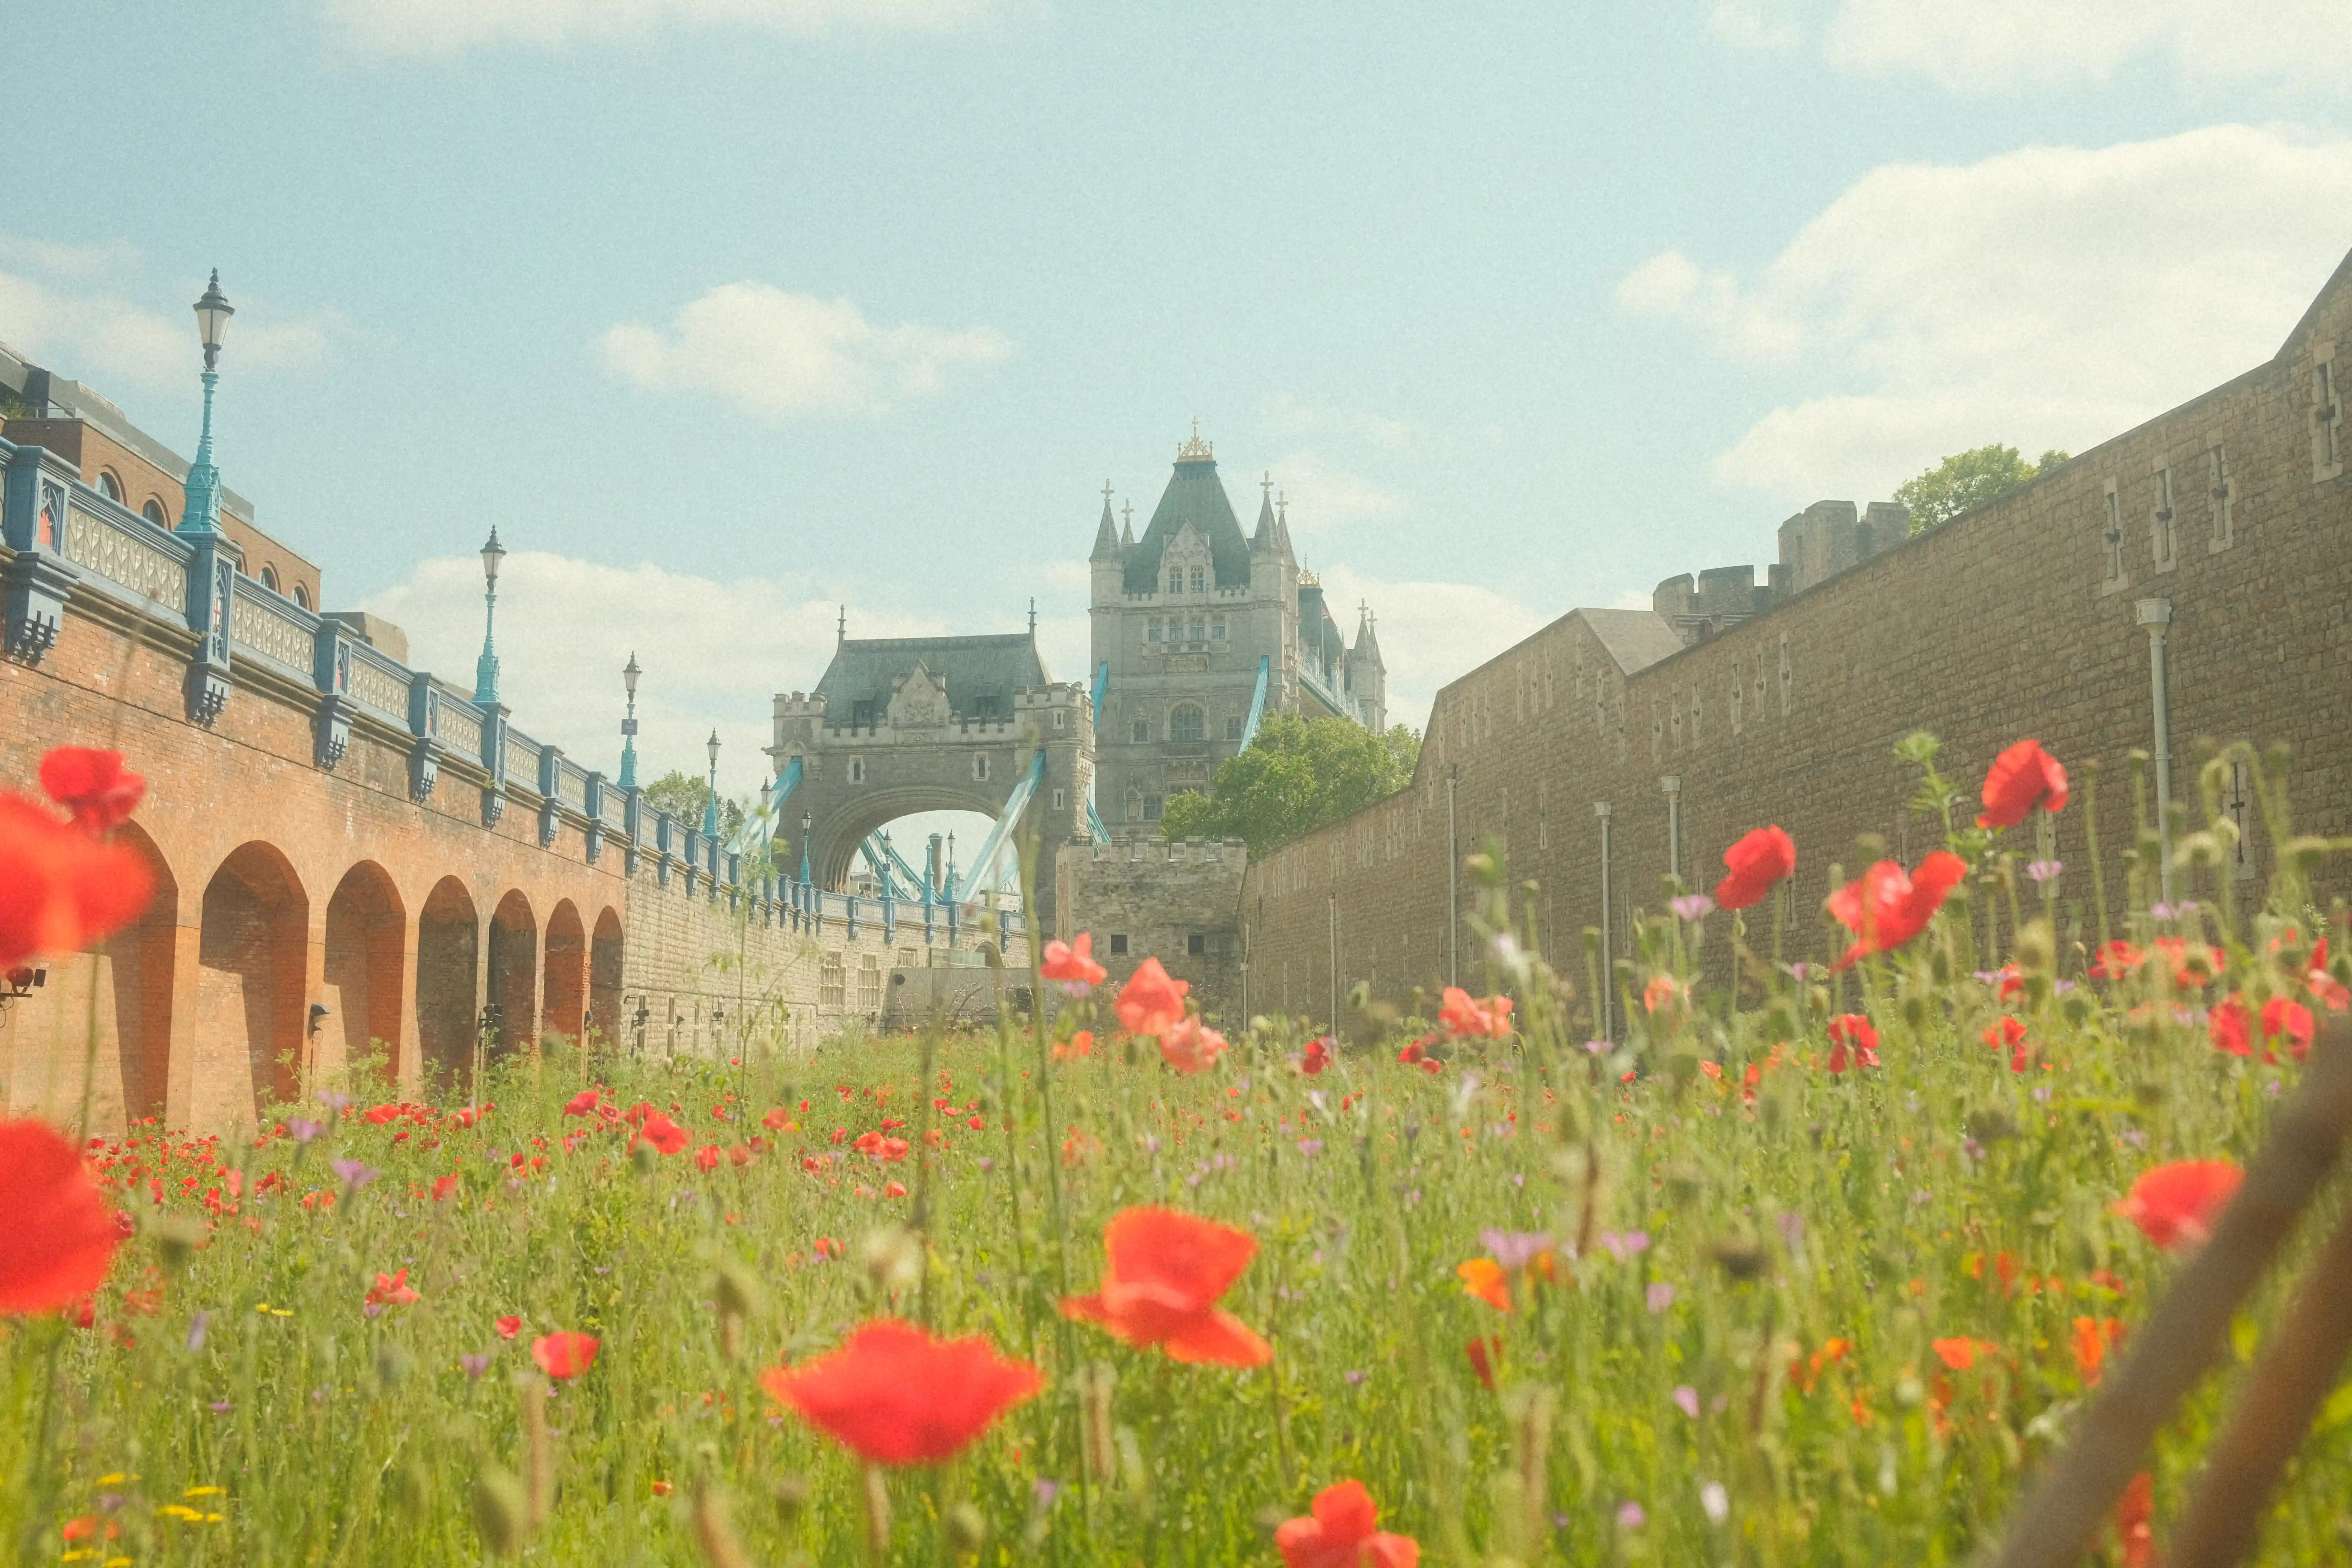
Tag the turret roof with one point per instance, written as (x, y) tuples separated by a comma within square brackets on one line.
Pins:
[(1196, 496), (981, 673)]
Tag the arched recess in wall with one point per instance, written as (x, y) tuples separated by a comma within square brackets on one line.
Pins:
[(448, 947), (564, 992), (604, 975), (251, 951), (512, 984), (366, 929), (140, 959)]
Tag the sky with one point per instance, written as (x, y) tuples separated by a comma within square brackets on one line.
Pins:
[(731, 312)]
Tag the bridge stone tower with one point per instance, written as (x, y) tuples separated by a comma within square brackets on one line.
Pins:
[(1182, 617), (899, 725)]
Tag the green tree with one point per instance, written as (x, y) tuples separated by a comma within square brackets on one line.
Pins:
[(1296, 776), (1966, 480), (683, 796)]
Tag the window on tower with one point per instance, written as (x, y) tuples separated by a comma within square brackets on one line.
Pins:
[(1185, 722), (1197, 583), (1143, 732), (1232, 727), (1199, 629), (1151, 630), (1175, 581), (1217, 628)]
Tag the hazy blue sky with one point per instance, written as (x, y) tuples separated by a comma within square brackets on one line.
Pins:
[(725, 310)]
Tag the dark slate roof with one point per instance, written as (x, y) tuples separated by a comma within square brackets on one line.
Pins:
[(1317, 629), (981, 671), (1194, 495)]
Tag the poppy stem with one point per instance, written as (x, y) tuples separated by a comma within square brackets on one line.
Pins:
[(2091, 838), (877, 1516)]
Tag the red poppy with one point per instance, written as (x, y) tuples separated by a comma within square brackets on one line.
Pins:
[(564, 1354), (2117, 961), (2229, 1027), (2178, 1205), (2019, 779), (663, 1134), (1414, 1052), (509, 1327), (1081, 1043), (892, 1395), (1073, 962), (1759, 859), (1885, 907), (707, 1157), (582, 1104), (2283, 1016), (1151, 1001), (442, 1186), (2134, 1511), (2193, 964), (1663, 991), (1162, 1275), (1341, 1530), (391, 1290), (1960, 1354), (1317, 1057), (1485, 1355), (1462, 1016), (93, 786), (61, 1239), (61, 890), (1190, 1045), (1854, 1030)]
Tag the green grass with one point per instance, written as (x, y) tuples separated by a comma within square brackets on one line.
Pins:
[(1941, 1195)]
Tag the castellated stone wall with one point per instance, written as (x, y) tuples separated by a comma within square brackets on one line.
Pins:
[(1169, 900), (2021, 619)]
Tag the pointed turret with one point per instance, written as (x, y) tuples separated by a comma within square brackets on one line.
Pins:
[(1368, 644), (1262, 536), (1127, 534), (1106, 534), (1282, 526)]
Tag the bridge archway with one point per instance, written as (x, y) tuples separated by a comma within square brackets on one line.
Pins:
[(565, 993), (367, 928), (605, 952), (140, 960), (834, 846), (512, 981), (251, 950), (448, 949)]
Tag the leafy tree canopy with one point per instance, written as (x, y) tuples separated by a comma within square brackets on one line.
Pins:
[(1967, 479), (1296, 776), (682, 796)]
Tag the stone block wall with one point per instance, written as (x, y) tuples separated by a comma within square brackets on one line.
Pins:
[(2021, 618), (1144, 897)]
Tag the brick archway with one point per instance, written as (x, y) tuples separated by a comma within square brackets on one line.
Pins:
[(141, 961), (251, 953), (605, 969), (448, 949), (565, 990), (366, 934), (511, 982)]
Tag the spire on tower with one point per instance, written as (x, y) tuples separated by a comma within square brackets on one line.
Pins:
[(841, 630), (1263, 537), (1127, 535), (1106, 532), (1282, 524)]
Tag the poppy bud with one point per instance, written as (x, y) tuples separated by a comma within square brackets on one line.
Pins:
[(892, 1259), (1915, 1010), (1779, 1022), (2201, 849), (1094, 1384), (1991, 1126), (967, 1530), (737, 1289), (499, 1511), (176, 1236), (1740, 1258)]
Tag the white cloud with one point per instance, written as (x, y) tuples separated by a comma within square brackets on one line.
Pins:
[(451, 26), (784, 356), (2049, 297), (67, 260), (714, 654), (2007, 45), (1324, 496), (1291, 420), (1429, 632), (106, 340)]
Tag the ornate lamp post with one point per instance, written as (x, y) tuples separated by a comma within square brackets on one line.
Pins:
[(806, 822), (485, 668), (202, 515), (710, 793), (629, 673)]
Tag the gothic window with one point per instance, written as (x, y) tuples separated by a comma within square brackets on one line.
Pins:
[(1232, 727), (2166, 551), (1152, 805), (1199, 629), (153, 512), (2216, 473), (980, 767), (1143, 732), (1185, 722), (2113, 538), (1151, 630), (1061, 718), (1735, 704), (1118, 945), (1175, 581), (1061, 799), (869, 982), (1657, 731), (1217, 629), (1693, 715), (1788, 676), (1196, 580), (857, 770), (832, 983)]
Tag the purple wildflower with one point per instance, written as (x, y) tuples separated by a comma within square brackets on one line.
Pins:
[(1660, 1297), (356, 1174), (1686, 1401), (1691, 906)]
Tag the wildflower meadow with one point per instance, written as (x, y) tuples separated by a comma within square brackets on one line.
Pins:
[(1819, 1259)]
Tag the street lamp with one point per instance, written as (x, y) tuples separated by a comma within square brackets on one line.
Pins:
[(202, 514), (485, 668), (710, 795), (629, 673), (806, 820)]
